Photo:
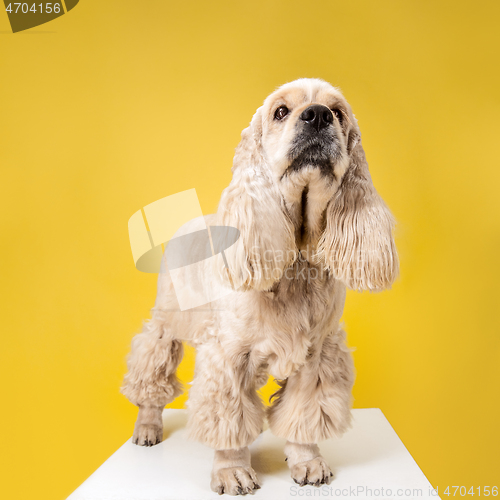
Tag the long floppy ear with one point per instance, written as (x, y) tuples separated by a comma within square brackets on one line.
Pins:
[(253, 205), (357, 244)]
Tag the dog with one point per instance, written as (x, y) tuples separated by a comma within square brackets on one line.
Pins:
[(311, 224)]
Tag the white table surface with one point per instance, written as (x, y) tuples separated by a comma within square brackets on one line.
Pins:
[(366, 459)]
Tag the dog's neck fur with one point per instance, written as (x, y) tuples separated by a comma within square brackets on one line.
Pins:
[(306, 195)]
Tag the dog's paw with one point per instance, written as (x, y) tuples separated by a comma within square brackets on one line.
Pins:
[(315, 472), (147, 434), (235, 481)]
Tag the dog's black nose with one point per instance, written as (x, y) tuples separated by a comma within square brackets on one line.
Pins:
[(317, 116)]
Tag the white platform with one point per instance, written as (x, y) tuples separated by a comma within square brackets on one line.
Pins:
[(368, 457)]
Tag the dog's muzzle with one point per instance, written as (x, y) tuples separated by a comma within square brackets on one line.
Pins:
[(316, 143)]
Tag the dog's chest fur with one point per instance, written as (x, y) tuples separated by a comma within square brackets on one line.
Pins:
[(306, 290), (290, 321)]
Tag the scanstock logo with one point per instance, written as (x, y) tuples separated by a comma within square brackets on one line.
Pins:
[(26, 15), (170, 236)]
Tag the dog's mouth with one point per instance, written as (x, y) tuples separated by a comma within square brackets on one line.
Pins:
[(319, 151)]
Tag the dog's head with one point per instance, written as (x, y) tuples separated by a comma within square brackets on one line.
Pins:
[(301, 183)]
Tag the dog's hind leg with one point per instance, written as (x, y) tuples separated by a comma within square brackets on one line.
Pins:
[(151, 381)]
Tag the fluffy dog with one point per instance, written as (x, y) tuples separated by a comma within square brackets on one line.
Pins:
[(311, 224)]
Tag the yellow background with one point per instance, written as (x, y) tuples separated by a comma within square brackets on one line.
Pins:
[(120, 103)]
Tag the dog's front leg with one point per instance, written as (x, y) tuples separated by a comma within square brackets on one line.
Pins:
[(314, 404), (232, 472), (307, 465), (226, 413)]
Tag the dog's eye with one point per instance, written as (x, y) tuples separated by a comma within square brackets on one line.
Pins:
[(338, 114), (280, 113)]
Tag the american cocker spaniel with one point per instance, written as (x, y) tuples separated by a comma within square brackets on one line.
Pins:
[(310, 224)]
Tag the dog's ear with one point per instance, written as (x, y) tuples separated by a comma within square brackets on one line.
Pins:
[(253, 205), (357, 244)]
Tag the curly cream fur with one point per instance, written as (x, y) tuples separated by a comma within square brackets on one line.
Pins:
[(305, 235), (151, 365), (357, 244), (313, 403), (251, 198)]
